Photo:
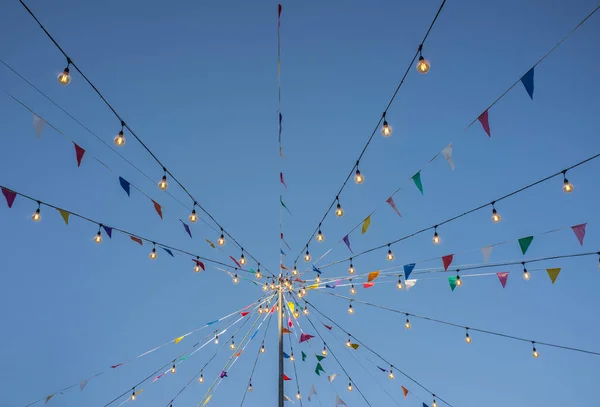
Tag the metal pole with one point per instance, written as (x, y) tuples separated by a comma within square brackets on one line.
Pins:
[(280, 355)]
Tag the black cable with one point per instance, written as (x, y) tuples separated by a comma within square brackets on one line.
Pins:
[(410, 65)]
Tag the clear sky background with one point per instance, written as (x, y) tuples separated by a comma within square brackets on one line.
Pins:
[(197, 81)]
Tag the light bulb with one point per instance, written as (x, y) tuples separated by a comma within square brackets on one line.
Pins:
[(423, 65), (133, 395), (260, 310), (292, 358), (324, 351), (350, 309), (526, 275), (266, 287), (173, 369), (163, 184), (258, 274), (467, 338), (98, 237), (201, 378), (496, 216), (197, 268), (37, 215), (350, 386), (64, 78), (434, 404), (305, 310), (153, 254), (386, 129), (262, 349), (298, 395), (318, 279), (339, 212), (320, 236), (399, 285), (250, 388), (352, 290), (119, 139), (193, 217), (535, 353), (221, 241), (295, 271), (272, 286), (458, 281), (232, 344), (216, 339), (391, 375), (303, 291), (390, 255), (348, 343), (307, 256), (436, 238), (242, 259), (351, 269), (235, 279), (358, 177), (296, 314), (407, 324), (567, 186)]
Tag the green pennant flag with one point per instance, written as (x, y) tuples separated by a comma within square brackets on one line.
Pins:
[(524, 242), (252, 271), (181, 359), (65, 215), (303, 356), (417, 180), (553, 273), (452, 282), (319, 357), (319, 369), (282, 204)]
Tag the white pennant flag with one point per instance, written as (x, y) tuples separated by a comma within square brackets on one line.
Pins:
[(312, 391), (339, 401), (332, 377), (38, 125), (288, 399), (410, 283), (83, 384), (486, 252), (447, 153)]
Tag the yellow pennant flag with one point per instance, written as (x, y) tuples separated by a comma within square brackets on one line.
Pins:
[(373, 275), (312, 287), (211, 244), (177, 340), (65, 215), (137, 393), (291, 306), (366, 224), (354, 346), (207, 400), (553, 273), (49, 397)]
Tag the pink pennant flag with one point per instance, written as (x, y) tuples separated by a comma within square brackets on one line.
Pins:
[(282, 181), (368, 285), (10, 196), (502, 277), (579, 231), (290, 323), (447, 260), (79, 152), (137, 240), (235, 261), (158, 208), (485, 123), (390, 201), (200, 264), (328, 327), (82, 384), (305, 337)]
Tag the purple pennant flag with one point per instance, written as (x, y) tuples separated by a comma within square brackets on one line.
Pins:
[(125, 185), (10, 196), (186, 227), (168, 251), (391, 202), (347, 241), (503, 277), (223, 374), (108, 231), (579, 231)]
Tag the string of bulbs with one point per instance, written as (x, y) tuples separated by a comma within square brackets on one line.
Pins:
[(64, 78), (567, 187), (423, 66)]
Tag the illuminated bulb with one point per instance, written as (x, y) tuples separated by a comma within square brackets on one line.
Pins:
[(232, 344), (324, 351), (236, 279), (272, 286), (350, 309), (303, 291), (296, 314), (458, 281), (386, 129), (436, 238), (305, 310), (535, 352), (266, 287), (318, 279), (391, 375), (567, 186), (260, 310), (36, 216), (358, 177), (193, 217), (133, 396), (119, 139), (390, 255), (352, 290), (348, 343), (339, 212), (242, 259), (423, 65), (307, 256), (98, 237), (173, 369), (201, 378), (295, 271), (221, 241), (292, 357), (262, 349), (258, 274), (250, 388), (163, 184), (320, 236), (496, 216), (197, 268), (64, 78), (216, 339), (350, 386), (434, 404), (526, 275), (153, 253), (399, 285), (407, 324), (351, 269), (298, 395), (467, 338)]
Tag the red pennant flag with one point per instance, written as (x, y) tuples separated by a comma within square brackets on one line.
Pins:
[(285, 378), (284, 184), (305, 337), (116, 366), (10, 196), (447, 261), (405, 391), (235, 261), (79, 152), (200, 264), (485, 123), (368, 285), (284, 267), (244, 313), (328, 327), (137, 240), (158, 208), (300, 281), (273, 309), (290, 323), (579, 231), (502, 277), (286, 331)]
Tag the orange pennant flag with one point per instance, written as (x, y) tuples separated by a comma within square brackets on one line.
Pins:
[(237, 355), (286, 331), (373, 275), (157, 207), (405, 391), (284, 267)]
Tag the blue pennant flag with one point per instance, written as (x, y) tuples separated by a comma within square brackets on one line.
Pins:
[(316, 269), (408, 268), (329, 286), (527, 81), (108, 231), (254, 334), (168, 251), (282, 252), (125, 185), (186, 227), (285, 355), (382, 369), (212, 322)]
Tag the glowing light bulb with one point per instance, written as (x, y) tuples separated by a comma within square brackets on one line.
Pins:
[(37, 216), (307, 256), (292, 358), (64, 78), (434, 404), (391, 375), (258, 274), (358, 177), (296, 314), (496, 216), (348, 343), (153, 254), (458, 281), (235, 279), (163, 184), (320, 236), (436, 238), (201, 378), (399, 285), (295, 271), (197, 268), (193, 217), (567, 186), (423, 66), (535, 352), (324, 351), (260, 310), (526, 275), (272, 286), (390, 255), (386, 129), (305, 310), (133, 395), (120, 139), (351, 269), (407, 324), (298, 395), (173, 369), (216, 339), (98, 237), (350, 386), (467, 338), (339, 212), (352, 290), (350, 309), (266, 287), (318, 279), (232, 344), (242, 259), (250, 388), (262, 349), (303, 291), (221, 241)]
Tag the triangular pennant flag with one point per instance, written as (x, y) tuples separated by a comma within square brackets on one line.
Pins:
[(319, 369), (315, 269), (283, 267), (527, 81), (373, 275), (186, 227), (312, 287), (235, 261), (524, 243), (320, 357), (10, 196), (108, 230), (410, 283), (207, 400), (199, 263), (291, 306), (579, 231), (382, 369), (290, 323), (211, 244), (212, 322), (177, 340), (347, 241), (83, 384), (447, 260), (553, 273), (286, 356), (447, 153), (425, 405), (52, 395), (452, 282), (486, 252), (408, 268), (158, 208), (354, 346), (285, 396), (244, 313), (368, 285), (282, 204), (391, 202), (137, 240), (285, 377), (125, 185), (65, 215), (79, 152), (502, 277), (168, 251), (329, 285), (303, 356), (38, 127), (485, 123), (366, 224), (312, 392), (417, 180), (305, 337), (116, 366), (332, 377), (328, 327), (404, 391), (282, 252), (281, 179), (286, 331), (223, 374), (237, 355), (339, 401)]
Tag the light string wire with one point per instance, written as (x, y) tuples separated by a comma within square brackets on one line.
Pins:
[(468, 212), (377, 354), (295, 370), (122, 231), (125, 125), (410, 65)]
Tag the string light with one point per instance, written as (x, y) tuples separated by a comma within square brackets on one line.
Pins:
[(266, 287), (350, 309), (298, 395), (292, 358), (349, 385), (407, 323), (386, 129), (307, 256), (64, 78), (352, 289), (324, 351), (197, 266), (216, 338), (163, 184), (153, 253), (37, 216), (221, 241), (320, 237), (318, 279), (173, 369), (250, 388), (358, 177), (423, 65), (201, 378), (193, 217), (120, 139), (458, 280), (339, 212), (535, 352), (262, 348), (567, 186), (391, 375), (258, 274), (296, 314), (436, 238), (305, 310), (273, 286), (232, 344), (303, 291), (390, 255), (133, 394), (495, 215), (351, 269), (434, 404), (399, 285), (526, 275), (260, 309), (235, 279), (295, 270), (348, 342), (98, 237), (467, 337), (242, 258)]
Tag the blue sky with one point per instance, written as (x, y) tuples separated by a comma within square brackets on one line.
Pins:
[(197, 81)]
